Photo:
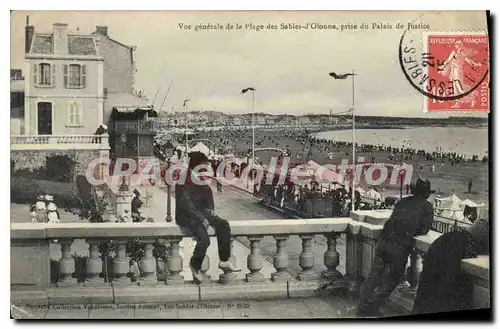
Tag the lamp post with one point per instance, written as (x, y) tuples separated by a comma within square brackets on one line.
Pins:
[(344, 77), (169, 202), (402, 175), (123, 139)]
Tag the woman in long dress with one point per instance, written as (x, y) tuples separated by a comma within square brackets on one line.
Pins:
[(41, 210)]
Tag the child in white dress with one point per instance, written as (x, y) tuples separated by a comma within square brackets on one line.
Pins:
[(52, 212)]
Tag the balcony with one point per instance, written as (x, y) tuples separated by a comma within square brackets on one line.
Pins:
[(346, 262), (59, 142)]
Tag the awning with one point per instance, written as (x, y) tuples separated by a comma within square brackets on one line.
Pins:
[(126, 102)]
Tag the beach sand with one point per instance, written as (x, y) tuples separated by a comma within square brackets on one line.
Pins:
[(446, 179)]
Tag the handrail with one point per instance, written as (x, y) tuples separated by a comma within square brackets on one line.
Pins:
[(38, 231)]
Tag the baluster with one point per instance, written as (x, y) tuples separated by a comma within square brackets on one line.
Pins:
[(205, 266), (174, 263), (148, 265), (354, 248), (67, 264), (94, 265), (280, 260), (306, 259), (254, 260), (413, 272), (331, 259), (121, 265), (229, 277)]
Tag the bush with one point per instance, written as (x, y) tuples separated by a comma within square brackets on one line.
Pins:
[(59, 168), (26, 191)]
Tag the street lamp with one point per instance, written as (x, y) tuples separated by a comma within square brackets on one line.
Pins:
[(402, 174), (169, 202), (123, 139)]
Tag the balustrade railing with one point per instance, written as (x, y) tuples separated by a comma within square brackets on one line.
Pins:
[(59, 139), (32, 242), (96, 234)]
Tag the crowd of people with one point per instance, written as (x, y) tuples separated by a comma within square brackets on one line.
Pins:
[(45, 210), (309, 200)]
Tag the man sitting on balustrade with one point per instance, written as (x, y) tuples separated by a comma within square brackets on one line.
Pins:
[(194, 209), (411, 217)]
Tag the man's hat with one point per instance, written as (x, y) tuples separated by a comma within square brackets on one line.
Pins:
[(137, 193), (422, 188), (196, 159)]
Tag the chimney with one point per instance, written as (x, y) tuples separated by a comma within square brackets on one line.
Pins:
[(60, 38), (102, 30), (28, 35)]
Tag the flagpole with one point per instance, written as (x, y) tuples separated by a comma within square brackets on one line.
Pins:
[(185, 110), (253, 127), (353, 146)]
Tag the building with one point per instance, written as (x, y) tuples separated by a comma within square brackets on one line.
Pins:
[(16, 102), (119, 74), (63, 83), (125, 110)]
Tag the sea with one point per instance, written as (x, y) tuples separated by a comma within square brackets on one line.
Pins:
[(462, 140)]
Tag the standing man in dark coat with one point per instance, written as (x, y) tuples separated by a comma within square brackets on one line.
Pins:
[(412, 216), (194, 209)]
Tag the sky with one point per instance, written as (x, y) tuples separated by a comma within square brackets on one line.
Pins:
[(288, 68)]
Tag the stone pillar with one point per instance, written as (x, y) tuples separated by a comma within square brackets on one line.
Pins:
[(280, 261), (67, 264), (174, 263), (148, 264), (254, 261), (331, 259), (354, 248), (121, 265), (123, 202), (229, 277), (306, 259), (94, 265), (413, 272)]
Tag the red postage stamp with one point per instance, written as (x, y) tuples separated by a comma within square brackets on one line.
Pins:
[(458, 64)]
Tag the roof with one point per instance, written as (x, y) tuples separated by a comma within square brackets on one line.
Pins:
[(122, 101), (81, 45), (77, 44), (113, 40), (16, 86), (42, 44)]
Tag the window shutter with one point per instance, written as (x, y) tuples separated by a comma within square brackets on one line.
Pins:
[(79, 114), (53, 76), (35, 74), (65, 75), (84, 76), (71, 111)]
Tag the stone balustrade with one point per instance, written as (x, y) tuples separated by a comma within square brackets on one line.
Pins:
[(59, 142), (404, 296), (30, 245)]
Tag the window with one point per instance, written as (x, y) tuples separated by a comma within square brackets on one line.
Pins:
[(75, 76), (75, 113), (44, 74)]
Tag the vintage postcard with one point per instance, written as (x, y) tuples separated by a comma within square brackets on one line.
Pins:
[(249, 165)]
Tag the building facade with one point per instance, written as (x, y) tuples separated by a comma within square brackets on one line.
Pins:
[(63, 83)]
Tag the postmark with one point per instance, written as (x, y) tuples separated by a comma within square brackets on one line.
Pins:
[(449, 68)]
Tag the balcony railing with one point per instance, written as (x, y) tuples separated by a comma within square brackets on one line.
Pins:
[(63, 142), (31, 245)]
